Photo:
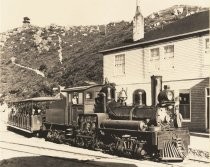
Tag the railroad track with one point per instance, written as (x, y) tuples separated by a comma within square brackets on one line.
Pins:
[(88, 155), (22, 147), (198, 155)]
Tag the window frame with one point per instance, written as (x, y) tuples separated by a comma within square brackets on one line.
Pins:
[(206, 47), (91, 95), (166, 54), (152, 57), (183, 91), (118, 65), (80, 99)]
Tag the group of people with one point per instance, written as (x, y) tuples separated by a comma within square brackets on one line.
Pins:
[(26, 109)]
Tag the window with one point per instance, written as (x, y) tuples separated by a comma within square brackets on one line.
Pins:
[(80, 99), (155, 54), (184, 103), (207, 106), (89, 95), (206, 54), (207, 44), (169, 51), (77, 98), (154, 60), (120, 64)]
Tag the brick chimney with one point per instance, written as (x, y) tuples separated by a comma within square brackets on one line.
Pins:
[(138, 23)]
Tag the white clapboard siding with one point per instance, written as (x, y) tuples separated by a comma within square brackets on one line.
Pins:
[(130, 90), (134, 67), (188, 62)]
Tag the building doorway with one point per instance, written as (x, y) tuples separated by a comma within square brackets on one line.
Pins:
[(184, 104), (207, 108)]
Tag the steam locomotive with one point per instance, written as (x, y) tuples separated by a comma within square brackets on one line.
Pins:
[(91, 117)]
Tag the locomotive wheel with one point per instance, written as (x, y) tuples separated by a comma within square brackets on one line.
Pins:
[(56, 136), (61, 138), (95, 144), (86, 143), (140, 151), (79, 142), (49, 136)]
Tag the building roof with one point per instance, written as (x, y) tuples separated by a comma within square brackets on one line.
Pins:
[(38, 99), (191, 25), (80, 88)]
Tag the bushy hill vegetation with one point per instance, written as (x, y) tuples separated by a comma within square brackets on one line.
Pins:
[(67, 56)]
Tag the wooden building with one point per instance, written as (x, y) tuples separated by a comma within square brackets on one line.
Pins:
[(179, 52)]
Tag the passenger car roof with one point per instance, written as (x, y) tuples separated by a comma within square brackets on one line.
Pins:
[(38, 99), (79, 88)]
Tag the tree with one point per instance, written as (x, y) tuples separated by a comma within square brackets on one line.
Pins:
[(26, 20), (43, 67)]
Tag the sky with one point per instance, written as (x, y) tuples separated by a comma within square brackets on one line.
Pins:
[(79, 12)]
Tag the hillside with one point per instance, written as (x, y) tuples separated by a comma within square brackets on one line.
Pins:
[(36, 59)]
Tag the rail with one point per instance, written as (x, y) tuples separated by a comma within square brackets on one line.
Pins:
[(87, 155)]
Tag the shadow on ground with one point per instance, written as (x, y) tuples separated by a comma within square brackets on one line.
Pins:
[(20, 132), (46, 161)]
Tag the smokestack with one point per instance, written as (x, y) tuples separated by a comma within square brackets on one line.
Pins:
[(138, 23), (156, 88)]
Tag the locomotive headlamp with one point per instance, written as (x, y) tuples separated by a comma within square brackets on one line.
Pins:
[(170, 95)]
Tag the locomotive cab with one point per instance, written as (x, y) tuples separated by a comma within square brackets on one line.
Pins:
[(62, 117), (80, 100)]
